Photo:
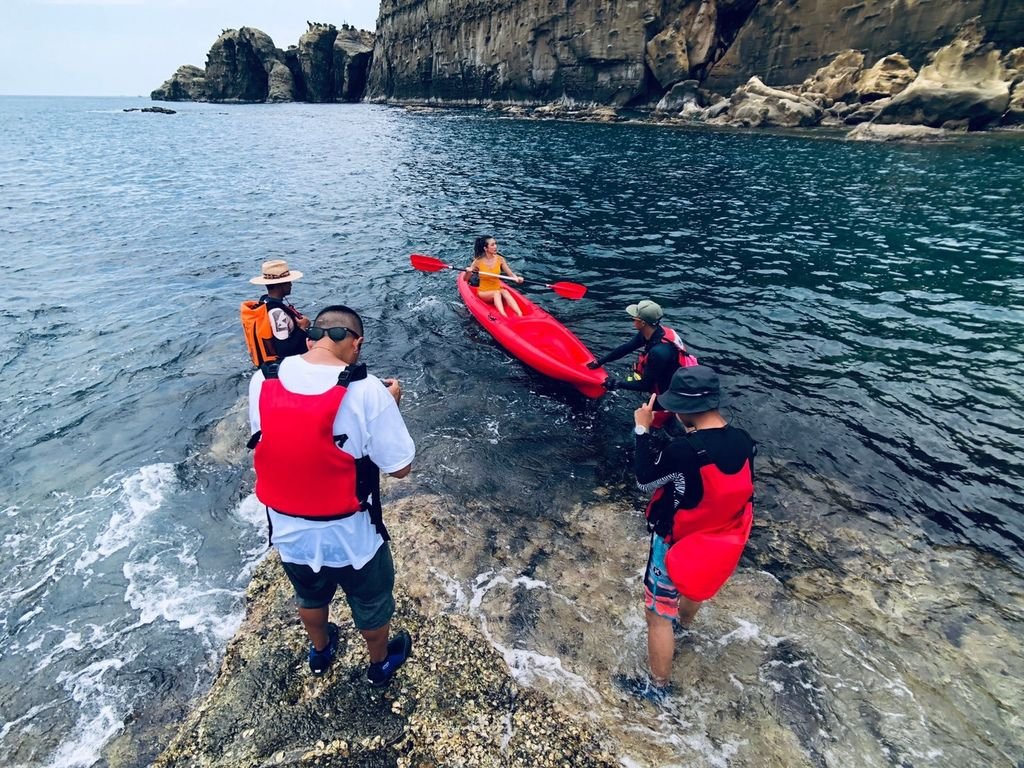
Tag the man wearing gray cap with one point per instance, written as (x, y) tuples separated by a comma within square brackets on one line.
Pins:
[(699, 515), (662, 352)]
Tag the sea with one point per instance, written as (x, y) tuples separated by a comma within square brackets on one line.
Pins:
[(863, 304)]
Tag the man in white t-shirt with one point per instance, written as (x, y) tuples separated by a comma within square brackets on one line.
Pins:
[(323, 430)]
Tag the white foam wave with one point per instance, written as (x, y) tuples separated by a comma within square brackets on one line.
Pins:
[(251, 511), (142, 493), (427, 302), (100, 720), (747, 632), (157, 593), (527, 667), (452, 588)]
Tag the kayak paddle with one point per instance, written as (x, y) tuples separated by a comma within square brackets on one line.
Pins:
[(564, 289)]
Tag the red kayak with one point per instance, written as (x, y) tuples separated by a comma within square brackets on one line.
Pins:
[(538, 340)]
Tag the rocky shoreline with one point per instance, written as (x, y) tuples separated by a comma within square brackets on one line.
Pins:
[(967, 87), (522, 624), (454, 703)]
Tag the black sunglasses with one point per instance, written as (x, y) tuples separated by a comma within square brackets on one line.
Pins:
[(337, 333)]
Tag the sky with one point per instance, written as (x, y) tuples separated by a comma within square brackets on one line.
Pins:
[(130, 47)]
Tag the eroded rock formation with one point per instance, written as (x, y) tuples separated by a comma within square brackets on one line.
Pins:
[(921, 62), (244, 66), (187, 84), (238, 67), (965, 80), (889, 75), (756, 105)]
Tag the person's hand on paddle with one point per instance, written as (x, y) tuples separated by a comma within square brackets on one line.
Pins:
[(611, 384), (394, 388), (594, 365), (303, 323), (519, 279), (644, 415)]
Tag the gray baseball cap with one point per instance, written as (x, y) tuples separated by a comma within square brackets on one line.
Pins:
[(646, 310), (694, 389)]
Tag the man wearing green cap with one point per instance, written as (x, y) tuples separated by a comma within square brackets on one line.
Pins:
[(662, 353)]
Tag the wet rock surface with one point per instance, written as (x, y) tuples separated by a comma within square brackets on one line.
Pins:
[(838, 645), (452, 703)]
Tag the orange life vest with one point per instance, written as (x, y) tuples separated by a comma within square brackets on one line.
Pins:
[(259, 333)]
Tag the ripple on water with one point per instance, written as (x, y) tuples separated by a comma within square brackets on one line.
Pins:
[(862, 303)]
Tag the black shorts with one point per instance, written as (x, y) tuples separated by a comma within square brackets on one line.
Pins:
[(369, 590)]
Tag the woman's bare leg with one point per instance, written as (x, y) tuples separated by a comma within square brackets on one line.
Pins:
[(512, 302), (495, 298)]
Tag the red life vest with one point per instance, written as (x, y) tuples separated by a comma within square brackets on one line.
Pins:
[(668, 336), (707, 540), (662, 417), (300, 469)]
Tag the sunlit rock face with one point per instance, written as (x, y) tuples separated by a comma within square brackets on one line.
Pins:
[(963, 81), (786, 41), (616, 53)]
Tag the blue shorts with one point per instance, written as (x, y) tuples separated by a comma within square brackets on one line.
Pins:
[(660, 594), (368, 589)]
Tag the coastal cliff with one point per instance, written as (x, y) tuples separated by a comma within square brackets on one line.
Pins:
[(785, 41), (617, 53), (634, 53)]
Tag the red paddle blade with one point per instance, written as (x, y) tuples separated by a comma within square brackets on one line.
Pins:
[(573, 291), (427, 263)]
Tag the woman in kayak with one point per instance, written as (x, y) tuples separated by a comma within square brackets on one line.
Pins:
[(488, 263)]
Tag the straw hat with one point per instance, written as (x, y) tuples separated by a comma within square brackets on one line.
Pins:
[(276, 271)]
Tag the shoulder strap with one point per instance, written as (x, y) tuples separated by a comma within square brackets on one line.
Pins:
[(270, 371), (698, 445), (352, 373)]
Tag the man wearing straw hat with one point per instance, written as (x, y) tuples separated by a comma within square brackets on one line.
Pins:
[(700, 513), (273, 327)]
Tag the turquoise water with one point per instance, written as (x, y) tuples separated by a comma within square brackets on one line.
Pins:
[(863, 303)]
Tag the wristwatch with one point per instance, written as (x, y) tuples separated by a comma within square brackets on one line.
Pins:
[(638, 430)]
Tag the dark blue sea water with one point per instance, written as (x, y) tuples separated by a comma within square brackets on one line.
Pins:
[(864, 304)]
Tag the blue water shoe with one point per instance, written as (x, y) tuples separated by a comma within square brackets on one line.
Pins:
[(399, 648), (643, 687), (319, 661)]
